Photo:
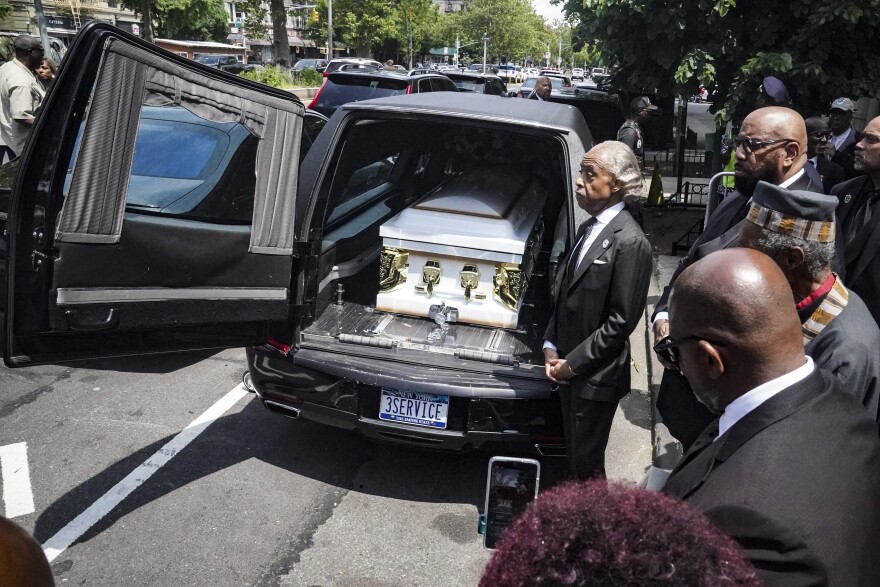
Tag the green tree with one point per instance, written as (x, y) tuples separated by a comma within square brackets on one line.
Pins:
[(194, 20), (280, 45), (255, 14), (820, 48), (416, 23), (512, 25)]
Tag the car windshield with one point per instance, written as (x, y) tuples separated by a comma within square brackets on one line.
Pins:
[(176, 150), (208, 59), (306, 63)]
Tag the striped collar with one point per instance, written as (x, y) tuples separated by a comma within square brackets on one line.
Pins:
[(828, 310)]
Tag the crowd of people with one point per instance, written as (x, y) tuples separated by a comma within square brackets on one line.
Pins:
[(769, 339)]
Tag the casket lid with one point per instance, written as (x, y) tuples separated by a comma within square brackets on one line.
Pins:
[(488, 209)]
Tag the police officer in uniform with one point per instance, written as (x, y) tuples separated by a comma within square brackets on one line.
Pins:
[(630, 133)]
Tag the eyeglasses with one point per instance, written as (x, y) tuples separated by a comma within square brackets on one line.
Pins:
[(821, 136), (667, 349), (750, 145)]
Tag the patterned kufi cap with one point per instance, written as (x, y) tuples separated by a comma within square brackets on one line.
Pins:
[(806, 215)]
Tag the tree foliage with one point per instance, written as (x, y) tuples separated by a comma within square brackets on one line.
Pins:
[(192, 20), (821, 48), (255, 14), (513, 26)]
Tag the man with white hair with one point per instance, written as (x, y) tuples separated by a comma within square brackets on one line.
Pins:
[(601, 289), (20, 92)]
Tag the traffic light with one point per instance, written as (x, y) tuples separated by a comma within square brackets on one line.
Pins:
[(314, 16)]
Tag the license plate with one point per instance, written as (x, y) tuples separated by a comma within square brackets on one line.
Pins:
[(421, 409)]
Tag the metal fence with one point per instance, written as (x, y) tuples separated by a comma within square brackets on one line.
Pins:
[(697, 162)]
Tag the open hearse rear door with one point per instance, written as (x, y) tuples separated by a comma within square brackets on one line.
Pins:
[(153, 209)]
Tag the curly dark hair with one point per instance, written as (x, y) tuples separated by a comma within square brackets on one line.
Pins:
[(614, 534)]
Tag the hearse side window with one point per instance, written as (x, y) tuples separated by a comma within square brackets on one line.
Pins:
[(358, 188), (184, 165)]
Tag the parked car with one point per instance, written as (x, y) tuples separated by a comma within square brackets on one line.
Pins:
[(556, 81), (577, 73), (394, 282), (597, 71), (317, 64), (352, 63), (343, 87), (229, 63), (55, 51), (477, 83)]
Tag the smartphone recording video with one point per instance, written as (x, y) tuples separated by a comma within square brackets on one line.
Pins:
[(511, 485)]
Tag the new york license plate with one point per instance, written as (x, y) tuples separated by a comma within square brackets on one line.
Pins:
[(421, 409)]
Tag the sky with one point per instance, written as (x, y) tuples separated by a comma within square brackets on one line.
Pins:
[(547, 10)]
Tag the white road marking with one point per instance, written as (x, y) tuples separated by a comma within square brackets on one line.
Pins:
[(17, 494), (105, 504)]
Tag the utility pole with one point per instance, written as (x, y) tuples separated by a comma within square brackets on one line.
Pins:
[(559, 57), (485, 47), (41, 25), (329, 30)]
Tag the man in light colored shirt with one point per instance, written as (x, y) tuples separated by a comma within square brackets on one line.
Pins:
[(20, 93), (791, 470)]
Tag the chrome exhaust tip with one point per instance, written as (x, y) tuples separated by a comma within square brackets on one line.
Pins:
[(282, 409), (248, 384)]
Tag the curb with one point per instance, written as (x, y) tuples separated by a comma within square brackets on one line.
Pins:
[(303, 93)]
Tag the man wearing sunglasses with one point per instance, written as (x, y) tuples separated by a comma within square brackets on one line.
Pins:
[(821, 170), (791, 468), (771, 147)]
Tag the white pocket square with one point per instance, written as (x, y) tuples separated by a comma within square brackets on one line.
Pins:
[(598, 262)]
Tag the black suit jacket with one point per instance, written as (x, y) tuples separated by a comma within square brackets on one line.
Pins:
[(722, 231), (830, 172), (599, 305), (797, 483), (860, 241)]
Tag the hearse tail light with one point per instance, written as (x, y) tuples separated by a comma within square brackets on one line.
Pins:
[(409, 89), (278, 345)]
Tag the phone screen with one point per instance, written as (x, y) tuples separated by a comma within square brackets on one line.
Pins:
[(512, 485)]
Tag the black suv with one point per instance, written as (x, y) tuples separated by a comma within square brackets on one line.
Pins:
[(291, 259), (342, 87)]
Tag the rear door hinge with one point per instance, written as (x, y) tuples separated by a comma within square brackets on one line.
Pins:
[(302, 311), (306, 249)]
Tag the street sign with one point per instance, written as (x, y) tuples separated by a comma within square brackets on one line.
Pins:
[(486, 39)]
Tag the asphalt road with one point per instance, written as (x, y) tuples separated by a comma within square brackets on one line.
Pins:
[(253, 499)]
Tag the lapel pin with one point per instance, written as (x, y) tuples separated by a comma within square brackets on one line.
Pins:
[(605, 243), (847, 198)]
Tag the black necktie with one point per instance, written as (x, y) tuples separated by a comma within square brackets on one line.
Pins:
[(576, 253)]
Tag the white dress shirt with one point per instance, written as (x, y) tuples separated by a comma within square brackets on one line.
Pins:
[(784, 184), (837, 140), (604, 217), (741, 406)]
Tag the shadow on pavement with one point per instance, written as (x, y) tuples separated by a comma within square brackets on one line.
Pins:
[(335, 457), (156, 364), (637, 409)]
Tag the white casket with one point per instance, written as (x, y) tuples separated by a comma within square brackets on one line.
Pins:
[(469, 244)]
